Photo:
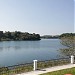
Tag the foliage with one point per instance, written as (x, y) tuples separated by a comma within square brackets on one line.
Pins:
[(50, 37), (68, 40), (18, 36)]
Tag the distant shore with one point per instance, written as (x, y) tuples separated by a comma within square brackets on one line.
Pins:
[(18, 36), (50, 37)]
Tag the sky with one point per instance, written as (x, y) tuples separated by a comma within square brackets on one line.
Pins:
[(74, 16), (45, 17)]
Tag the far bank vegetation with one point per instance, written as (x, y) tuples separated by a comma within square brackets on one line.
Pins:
[(18, 36)]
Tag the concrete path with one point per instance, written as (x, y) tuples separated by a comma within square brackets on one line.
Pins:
[(48, 70)]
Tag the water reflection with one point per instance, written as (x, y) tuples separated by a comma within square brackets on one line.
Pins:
[(14, 52), (10, 47), (18, 45)]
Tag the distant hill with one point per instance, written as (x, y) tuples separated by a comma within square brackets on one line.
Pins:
[(57, 36), (67, 35), (50, 37)]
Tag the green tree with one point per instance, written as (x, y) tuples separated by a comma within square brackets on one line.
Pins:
[(68, 40), (17, 36)]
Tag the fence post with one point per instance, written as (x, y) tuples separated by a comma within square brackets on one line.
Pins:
[(72, 59), (35, 65)]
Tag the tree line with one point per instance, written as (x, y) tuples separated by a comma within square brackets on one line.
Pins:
[(58, 36), (50, 37), (18, 36)]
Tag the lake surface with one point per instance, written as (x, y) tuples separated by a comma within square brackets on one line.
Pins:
[(17, 52)]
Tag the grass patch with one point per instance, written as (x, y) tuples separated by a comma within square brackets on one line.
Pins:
[(62, 72), (16, 70), (51, 63)]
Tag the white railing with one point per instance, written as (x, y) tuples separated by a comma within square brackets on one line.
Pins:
[(72, 59), (35, 62)]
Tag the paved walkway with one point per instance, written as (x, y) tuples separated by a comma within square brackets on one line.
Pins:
[(48, 70)]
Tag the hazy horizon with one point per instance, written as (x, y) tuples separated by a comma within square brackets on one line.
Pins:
[(44, 17)]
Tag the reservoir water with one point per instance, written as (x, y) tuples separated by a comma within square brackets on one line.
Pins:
[(17, 52)]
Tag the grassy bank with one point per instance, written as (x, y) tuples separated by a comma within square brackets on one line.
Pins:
[(62, 72), (11, 70)]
